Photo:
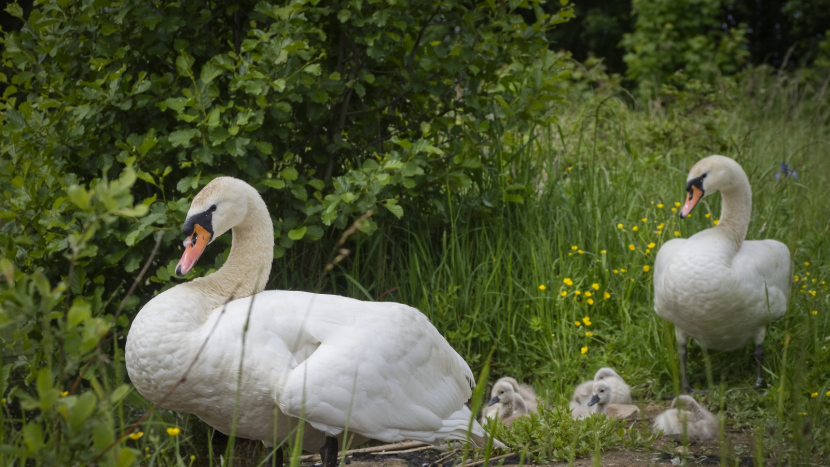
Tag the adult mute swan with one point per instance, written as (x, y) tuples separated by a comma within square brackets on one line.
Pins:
[(381, 370), (714, 286), (687, 415)]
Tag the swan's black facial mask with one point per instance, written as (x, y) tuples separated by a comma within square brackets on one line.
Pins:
[(695, 189), (198, 229)]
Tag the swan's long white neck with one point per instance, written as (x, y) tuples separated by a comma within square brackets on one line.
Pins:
[(164, 337), (248, 266), (736, 210)]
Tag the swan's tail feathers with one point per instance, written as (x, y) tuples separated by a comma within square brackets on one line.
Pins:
[(455, 429)]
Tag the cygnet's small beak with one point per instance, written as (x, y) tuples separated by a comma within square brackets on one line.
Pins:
[(695, 194), (493, 401), (594, 400), (194, 245)]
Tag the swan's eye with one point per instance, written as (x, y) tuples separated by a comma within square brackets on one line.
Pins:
[(212, 208)]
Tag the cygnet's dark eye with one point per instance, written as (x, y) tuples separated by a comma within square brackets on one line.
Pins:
[(212, 208)]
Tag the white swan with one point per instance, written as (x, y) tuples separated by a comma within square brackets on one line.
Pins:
[(609, 388), (714, 286), (510, 400), (382, 369), (686, 414), (579, 402)]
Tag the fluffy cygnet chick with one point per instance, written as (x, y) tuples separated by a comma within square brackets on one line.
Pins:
[(621, 391), (699, 422), (510, 400), (581, 398)]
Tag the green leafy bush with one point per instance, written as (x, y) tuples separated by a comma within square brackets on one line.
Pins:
[(685, 35), (114, 113)]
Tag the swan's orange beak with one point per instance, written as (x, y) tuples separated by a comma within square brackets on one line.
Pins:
[(694, 196), (194, 245)]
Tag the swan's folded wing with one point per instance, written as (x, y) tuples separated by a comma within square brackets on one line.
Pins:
[(766, 263), (389, 376), (661, 275)]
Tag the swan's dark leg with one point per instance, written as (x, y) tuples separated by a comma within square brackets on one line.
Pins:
[(277, 459), (328, 453), (684, 384), (759, 360)]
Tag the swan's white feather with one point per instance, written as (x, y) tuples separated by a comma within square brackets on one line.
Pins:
[(719, 299)]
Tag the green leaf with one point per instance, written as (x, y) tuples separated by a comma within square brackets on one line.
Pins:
[(210, 72), (274, 183), (82, 409), (120, 393), (395, 209), (182, 137), (184, 64), (313, 69), (289, 174), (297, 234), (78, 313)]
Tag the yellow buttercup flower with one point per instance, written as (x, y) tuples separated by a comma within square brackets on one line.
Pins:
[(590, 301), (595, 286), (795, 279), (568, 281), (173, 431), (676, 233), (661, 226), (602, 252), (542, 287), (673, 209), (652, 245), (659, 206), (634, 228), (645, 219), (648, 250), (708, 214), (589, 334), (631, 246), (622, 271), (578, 292), (619, 226), (584, 350), (658, 232), (606, 295), (64, 393), (807, 264), (580, 252), (813, 293), (814, 312), (587, 293), (136, 435), (827, 394), (815, 394), (564, 293), (616, 271), (677, 204), (646, 268), (192, 458), (715, 222), (577, 323), (574, 248)]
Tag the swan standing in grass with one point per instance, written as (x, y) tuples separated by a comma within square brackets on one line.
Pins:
[(715, 286), (685, 412), (380, 369), (510, 400)]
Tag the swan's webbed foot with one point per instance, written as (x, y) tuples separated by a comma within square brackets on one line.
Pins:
[(328, 453)]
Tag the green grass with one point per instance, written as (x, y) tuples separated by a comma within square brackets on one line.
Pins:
[(610, 163), (493, 284)]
